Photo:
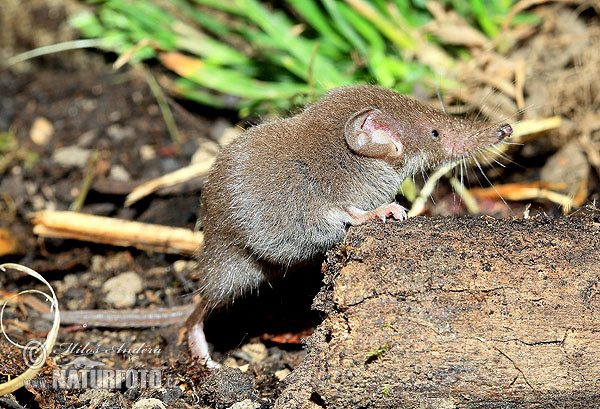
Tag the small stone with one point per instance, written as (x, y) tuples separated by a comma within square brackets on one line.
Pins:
[(137, 97), (118, 133), (71, 157), (38, 202), (282, 374), (172, 393), (114, 116), (245, 404), (86, 140), (230, 362), (153, 110), (71, 280), (94, 397), (97, 263), (41, 131), (122, 289), (122, 261), (227, 386), (149, 403), (252, 353), (118, 172), (147, 152), (180, 266)]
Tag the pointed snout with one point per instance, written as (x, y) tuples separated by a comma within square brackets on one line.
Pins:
[(505, 131)]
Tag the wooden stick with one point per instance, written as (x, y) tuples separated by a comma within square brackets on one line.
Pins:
[(116, 232), (178, 176)]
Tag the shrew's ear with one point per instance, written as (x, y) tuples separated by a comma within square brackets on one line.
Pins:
[(368, 134)]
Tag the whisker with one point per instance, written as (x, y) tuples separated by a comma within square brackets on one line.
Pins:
[(462, 164), (454, 172), (494, 124), (482, 155), (499, 163), (426, 179), (495, 110), (475, 174), (437, 92), (462, 186), (491, 184), (520, 111), (501, 154), (483, 102)]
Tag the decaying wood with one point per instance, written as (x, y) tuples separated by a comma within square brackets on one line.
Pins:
[(457, 313), (116, 232)]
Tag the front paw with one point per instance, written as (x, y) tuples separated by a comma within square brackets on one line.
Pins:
[(392, 209), (382, 213)]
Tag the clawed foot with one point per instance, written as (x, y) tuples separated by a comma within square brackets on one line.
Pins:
[(199, 347), (382, 212)]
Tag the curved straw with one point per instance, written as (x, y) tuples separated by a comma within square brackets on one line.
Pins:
[(19, 381)]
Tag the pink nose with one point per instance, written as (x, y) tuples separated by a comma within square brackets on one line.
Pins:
[(505, 130)]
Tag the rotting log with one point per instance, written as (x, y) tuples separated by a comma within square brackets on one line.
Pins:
[(457, 313)]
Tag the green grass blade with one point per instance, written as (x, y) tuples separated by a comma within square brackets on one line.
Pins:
[(344, 26), (224, 5), (203, 19), (364, 28), (483, 17), (299, 48), (214, 51), (392, 31), (310, 11)]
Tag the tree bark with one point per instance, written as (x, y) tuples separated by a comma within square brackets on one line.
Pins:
[(457, 313)]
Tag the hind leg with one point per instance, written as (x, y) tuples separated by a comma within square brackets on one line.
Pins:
[(228, 272), (196, 338)]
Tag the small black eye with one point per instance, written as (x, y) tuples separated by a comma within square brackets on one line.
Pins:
[(435, 133)]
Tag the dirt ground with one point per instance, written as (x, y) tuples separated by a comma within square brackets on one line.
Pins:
[(58, 111)]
